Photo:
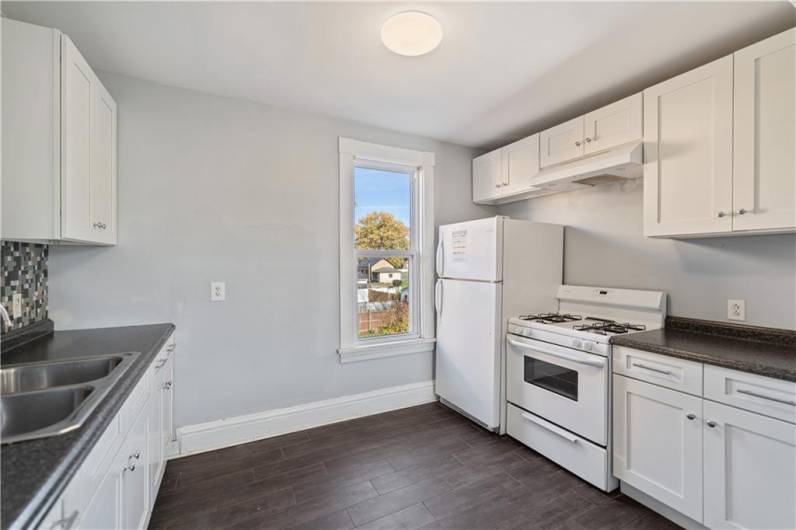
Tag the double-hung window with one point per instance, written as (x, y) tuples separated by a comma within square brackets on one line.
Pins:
[(386, 242)]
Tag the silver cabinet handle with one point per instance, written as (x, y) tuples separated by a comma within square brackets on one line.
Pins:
[(721, 214), (160, 363), (770, 398), (577, 143), (167, 385), (129, 467), (741, 211), (711, 423), (97, 225), (652, 369), (137, 455), (587, 139), (691, 416), (171, 347), (67, 522)]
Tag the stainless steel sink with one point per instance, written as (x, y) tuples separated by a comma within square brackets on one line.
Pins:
[(44, 399), (38, 376)]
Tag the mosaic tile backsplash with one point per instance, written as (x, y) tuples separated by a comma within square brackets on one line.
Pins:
[(24, 270)]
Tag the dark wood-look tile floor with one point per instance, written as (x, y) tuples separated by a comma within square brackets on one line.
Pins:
[(420, 467)]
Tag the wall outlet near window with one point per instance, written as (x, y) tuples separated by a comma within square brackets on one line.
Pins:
[(16, 305), (218, 291), (736, 309)]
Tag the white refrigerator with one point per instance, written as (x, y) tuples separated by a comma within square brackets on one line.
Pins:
[(488, 271)]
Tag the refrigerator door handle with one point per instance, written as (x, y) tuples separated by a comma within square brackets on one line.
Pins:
[(438, 298), (440, 256)]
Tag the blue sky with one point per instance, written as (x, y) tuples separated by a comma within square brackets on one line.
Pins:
[(385, 191)]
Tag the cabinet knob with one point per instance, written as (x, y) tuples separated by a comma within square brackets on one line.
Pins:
[(711, 423), (577, 143), (722, 214), (137, 455), (96, 225), (741, 211), (587, 139), (167, 385), (691, 416)]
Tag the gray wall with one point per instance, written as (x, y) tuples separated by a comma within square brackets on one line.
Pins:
[(605, 247), (211, 189)]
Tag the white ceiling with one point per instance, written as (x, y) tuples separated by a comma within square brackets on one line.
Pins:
[(503, 69)]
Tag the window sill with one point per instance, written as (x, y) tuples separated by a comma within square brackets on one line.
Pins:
[(366, 352)]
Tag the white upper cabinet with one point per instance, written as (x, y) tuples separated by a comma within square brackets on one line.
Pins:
[(750, 470), (720, 145), (612, 125), (688, 152), (764, 156), (520, 165), (601, 129), (487, 176), (562, 142), (59, 141), (505, 174)]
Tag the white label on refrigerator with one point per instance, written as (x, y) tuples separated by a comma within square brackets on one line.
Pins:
[(459, 245)]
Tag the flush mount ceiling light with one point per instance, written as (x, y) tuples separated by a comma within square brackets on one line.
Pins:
[(411, 33)]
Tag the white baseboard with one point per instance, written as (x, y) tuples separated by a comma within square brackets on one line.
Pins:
[(217, 434)]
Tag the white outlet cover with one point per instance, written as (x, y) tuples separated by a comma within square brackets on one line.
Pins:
[(736, 309), (218, 291)]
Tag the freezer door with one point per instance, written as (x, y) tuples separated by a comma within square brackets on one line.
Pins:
[(468, 347), (471, 250)]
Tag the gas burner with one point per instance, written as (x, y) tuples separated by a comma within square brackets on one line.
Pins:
[(604, 326), (551, 318)]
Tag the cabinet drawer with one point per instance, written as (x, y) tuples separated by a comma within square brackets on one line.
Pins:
[(756, 393), (670, 372), (588, 461)]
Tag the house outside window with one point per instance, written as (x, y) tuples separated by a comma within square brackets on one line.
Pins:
[(386, 242)]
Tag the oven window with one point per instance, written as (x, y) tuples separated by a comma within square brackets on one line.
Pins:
[(554, 378)]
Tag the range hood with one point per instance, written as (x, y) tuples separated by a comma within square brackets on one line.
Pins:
[(616, 164)]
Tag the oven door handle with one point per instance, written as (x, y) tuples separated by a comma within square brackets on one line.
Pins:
[(597, 362), (552, 428)]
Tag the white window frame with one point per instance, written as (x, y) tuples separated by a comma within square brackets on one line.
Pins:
[(354, 153)]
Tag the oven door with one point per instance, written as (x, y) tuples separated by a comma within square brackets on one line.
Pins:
[(564, 386)]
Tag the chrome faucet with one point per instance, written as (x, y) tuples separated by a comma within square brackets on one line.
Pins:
[(6, 318)]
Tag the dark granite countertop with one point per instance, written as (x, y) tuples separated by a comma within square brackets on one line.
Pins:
[(36, 472), (764, 351)]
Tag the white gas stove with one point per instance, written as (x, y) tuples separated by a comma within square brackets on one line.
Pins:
[(558, 374)]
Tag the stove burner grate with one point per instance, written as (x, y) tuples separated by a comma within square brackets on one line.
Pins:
[(604, 327), (551, 318)]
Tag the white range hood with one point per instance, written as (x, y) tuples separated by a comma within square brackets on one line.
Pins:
[(619, 163)]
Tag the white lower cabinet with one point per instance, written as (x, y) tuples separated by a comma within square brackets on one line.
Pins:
[(658, 443), (116, 486), (716, 463), (750, 470)]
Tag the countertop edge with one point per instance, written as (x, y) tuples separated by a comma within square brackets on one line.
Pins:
[(41, 503), (745, 366)]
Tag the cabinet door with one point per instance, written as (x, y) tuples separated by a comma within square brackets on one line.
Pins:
[(104, 509), (750, 469), (157, 450), (78, 84), (487, 176), (135, 474), (520, 165), (764, 171), (561, 143), (612, 125), (103, 171), (168, 403), (658, 443), (688, 153)]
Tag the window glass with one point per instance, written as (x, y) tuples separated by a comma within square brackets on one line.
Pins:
[(383, 209), (382, 296)]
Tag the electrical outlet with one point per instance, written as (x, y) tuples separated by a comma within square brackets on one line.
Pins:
[(16, 306), (736, 309), (218, 291)]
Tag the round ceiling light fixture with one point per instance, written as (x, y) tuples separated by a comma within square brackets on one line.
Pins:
[(411, 33)]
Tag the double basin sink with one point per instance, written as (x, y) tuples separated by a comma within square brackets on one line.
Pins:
[(43, 399)]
